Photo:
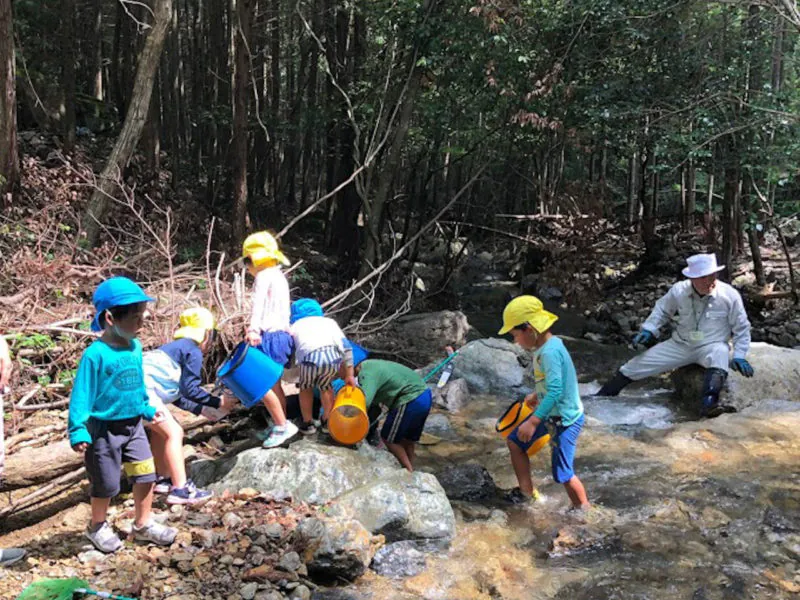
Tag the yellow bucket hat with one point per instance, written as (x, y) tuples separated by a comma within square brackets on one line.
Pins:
[(526, 309), (194, 324), (262, 249)]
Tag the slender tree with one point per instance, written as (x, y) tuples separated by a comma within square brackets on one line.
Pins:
[(9, 160)]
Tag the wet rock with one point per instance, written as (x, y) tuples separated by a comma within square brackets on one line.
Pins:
[(401, 506), (777, 377), (400, 559), (453, 396), (467, 482), (473, 512), (438, 424), (335, 548), (309, 471), (494, 366), (575, 539)]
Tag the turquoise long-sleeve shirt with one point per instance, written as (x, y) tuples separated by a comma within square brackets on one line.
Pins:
[(109, 386), (556, 383)]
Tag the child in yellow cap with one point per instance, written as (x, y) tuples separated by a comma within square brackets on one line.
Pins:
[(269, 329), (556, 402), (173, 375)]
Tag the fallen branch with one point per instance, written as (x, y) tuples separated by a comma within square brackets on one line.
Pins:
[(38, 495)]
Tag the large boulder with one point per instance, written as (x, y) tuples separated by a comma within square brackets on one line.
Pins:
[(402, 506), (453, 396), (428, 333), (777, 377), (494, 366), (336, 548), (365, 484), (307, 471)]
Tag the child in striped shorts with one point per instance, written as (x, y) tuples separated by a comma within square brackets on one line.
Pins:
[(322, 355)]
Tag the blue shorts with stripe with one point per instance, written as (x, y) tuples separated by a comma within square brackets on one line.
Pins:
[(563, 443), (406, 422)]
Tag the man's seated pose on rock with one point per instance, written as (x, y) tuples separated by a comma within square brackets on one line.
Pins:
[(707, 314)]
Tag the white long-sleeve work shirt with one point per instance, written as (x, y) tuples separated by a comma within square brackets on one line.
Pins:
[(718, 316)]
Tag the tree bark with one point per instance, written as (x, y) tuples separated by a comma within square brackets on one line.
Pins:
[(633, 179), (134, 122), (68, 74), (728, 217), (9, 158), (241, 78)]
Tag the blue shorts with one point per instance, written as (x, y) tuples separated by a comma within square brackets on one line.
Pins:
[(407, 422), (563, 442), (278, 345)]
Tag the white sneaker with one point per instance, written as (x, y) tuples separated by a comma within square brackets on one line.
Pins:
[(163, 485), (104, 538), (278, 437), (155, 532)]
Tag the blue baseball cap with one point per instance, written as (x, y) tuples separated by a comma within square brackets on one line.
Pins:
[(305, 307), (117, 291), (359, 354)]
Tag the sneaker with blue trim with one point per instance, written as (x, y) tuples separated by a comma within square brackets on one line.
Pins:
[(280, 435), (189, 494)]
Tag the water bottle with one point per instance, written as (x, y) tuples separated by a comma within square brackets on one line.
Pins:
[(447, 371)]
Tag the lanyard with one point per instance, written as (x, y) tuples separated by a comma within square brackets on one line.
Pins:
[(699, 318)]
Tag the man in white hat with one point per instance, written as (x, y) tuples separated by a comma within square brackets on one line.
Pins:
[(706, 315)]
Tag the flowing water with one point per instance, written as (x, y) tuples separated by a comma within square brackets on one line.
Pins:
[(683, 509)]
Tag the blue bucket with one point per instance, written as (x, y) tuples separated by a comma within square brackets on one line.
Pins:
[(249, 374)]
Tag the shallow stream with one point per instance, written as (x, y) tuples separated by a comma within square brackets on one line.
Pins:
[(683, 509)]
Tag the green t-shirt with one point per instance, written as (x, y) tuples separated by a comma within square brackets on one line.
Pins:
[(389, 383)]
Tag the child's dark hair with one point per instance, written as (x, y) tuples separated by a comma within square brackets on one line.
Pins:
[(248, 262), (118, 312), (522, 326)]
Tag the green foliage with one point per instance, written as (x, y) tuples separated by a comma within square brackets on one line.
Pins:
[(35, 341)]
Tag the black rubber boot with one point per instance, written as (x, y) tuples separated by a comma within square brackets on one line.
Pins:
[(712, 386), (615, 385)]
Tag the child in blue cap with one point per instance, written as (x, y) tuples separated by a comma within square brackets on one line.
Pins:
[(322, 354), (106, 409)]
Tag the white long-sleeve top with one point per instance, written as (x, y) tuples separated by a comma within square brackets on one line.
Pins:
[(719, 316), (271, 302), (315, 333)]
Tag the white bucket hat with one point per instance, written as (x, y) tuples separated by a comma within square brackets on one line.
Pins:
[(701, 265)]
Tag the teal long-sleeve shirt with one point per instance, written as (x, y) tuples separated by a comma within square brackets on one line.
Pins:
[(556, 383), (109, 386)]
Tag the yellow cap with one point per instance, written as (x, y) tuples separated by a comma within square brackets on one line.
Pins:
[(263, 250), (526, 309), (194, 324)]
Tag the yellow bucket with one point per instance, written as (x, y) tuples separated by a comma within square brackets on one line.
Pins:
[(349, 422), (512, 418)]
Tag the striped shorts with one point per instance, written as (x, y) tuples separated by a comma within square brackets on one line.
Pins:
[(319, 368)]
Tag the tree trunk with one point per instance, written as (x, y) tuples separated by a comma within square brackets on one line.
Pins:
[(749, 205), (68, 74), (728, 217), (97, 67), (151, 136), (241, 78), (633, 180), (134, 122), (691, 201), (9, 159)]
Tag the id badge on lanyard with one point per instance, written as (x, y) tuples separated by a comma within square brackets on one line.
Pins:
[(696, 336)]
